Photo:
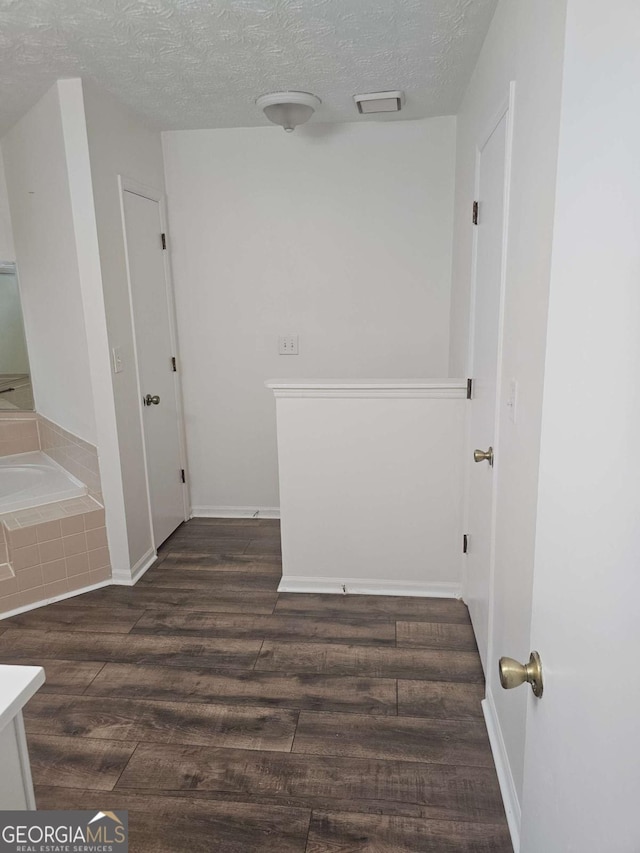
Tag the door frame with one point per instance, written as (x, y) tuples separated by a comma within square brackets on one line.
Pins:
[(506, 107), (126, 184)]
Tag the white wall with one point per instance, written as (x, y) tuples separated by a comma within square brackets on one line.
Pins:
[(91, 286), (341, 234), (119, 143), (7, 250), (45, 243), (525, 44)]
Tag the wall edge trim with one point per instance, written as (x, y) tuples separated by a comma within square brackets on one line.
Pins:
[(503, 769), (36, 604), (235, 512), (369, 586), (137, 570)]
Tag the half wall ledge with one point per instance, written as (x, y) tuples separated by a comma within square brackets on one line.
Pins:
[(371, 485)]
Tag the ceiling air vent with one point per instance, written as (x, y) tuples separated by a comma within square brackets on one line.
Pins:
[(379, 102)]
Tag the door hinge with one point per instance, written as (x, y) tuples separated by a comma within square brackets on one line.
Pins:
[(163, 237), (469, 389), (182, 475), (475, 212), (465, 543), (173, 364)]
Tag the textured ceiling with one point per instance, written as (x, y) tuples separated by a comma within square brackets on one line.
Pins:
[(202, 63)]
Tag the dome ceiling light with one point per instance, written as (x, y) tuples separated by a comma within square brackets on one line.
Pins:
[(288, 109)]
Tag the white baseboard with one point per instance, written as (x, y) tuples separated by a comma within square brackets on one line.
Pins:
[(145, 562), (369, 586), (55, 598), (503, 769), (235, 512)]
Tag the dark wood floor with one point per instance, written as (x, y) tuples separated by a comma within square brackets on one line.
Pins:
[(229, 719)]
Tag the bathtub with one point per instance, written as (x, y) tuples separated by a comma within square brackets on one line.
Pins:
[(32, 479)]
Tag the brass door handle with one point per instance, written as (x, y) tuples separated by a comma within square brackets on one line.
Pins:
[(483, 456), (513, 673), (151, 400)]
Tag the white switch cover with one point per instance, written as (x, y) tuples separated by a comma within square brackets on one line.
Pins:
[(116, 356), (288, 344), (512, 401)]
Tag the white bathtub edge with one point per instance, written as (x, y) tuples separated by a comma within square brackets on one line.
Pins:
[(72, 594), (39, 458), (65, 471)]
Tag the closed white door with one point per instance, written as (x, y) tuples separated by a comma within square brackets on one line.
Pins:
[(155, 348), (484, 371)]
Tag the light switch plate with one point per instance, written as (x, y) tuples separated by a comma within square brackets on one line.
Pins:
[(288, 345)]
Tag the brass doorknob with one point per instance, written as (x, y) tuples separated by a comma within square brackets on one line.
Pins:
[(513, 673), (151, 400), (483, 456)]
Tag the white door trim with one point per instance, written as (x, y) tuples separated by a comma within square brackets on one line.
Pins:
[(506, 107), (505, 778), (129, 185)]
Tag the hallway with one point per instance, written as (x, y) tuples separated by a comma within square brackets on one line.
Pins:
[(227, 717)]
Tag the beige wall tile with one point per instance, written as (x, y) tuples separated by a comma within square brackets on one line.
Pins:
[(76, 544), (18, 436), (51, 590), (31, 596), (96, 538), (51, 550), (103, 574), (55, 571), (9, 586), (72, 524), (22, 537), (79, 581), (24, 558), (74, 454), (11, 602), (94, 519), (99, 559), (78, 564), (49, 530), (29, 578)]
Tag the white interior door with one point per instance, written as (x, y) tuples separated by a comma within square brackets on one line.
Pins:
[(484, 371), (152, 314), (581, 789)]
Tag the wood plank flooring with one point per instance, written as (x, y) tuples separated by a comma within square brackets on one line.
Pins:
[(226, 717)]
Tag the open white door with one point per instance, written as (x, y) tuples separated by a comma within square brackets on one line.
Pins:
[(582, 763), (489, 216), (152, 309)]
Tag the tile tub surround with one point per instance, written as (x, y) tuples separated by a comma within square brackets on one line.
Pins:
[(21, 432), (18, 432), (55, 549), (32, 479), (52, 551), (79, 457)]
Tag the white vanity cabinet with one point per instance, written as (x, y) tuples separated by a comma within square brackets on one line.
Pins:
[(17, 686)]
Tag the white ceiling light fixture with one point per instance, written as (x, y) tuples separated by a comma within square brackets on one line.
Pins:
[(288, 109), (379, 102)]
